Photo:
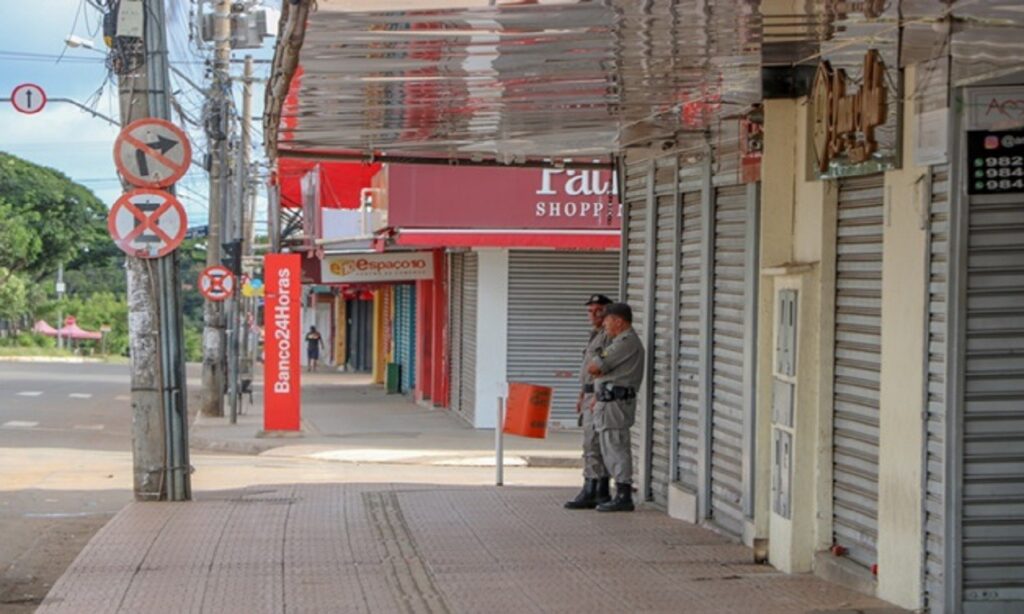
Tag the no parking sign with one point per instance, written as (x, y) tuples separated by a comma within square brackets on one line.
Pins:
[(147, 223), (216, 283)]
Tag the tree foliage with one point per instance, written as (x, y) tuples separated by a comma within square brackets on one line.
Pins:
[(67, 219)]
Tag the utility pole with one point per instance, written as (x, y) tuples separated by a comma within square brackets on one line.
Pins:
[(60, 303), (159, 411), (238, 236), (214, 363)]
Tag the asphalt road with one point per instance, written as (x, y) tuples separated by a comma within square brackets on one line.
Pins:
[(83, 406)]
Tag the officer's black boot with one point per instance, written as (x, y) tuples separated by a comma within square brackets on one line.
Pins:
[(604, 493), (623, 501), (586, 499)]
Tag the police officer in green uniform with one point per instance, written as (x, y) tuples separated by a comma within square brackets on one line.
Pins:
[(618, 371), (596, 488)]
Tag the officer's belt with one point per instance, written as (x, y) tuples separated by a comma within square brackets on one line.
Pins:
[(616, 393)]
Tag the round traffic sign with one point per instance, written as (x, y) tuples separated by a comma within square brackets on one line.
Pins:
[(28, 98), (216, 283), (147, 223), (152, 153)]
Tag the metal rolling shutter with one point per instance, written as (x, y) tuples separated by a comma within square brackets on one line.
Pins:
[(992, 470), (689, 342), (547, 323), (467, 377), (661, 384), (935, 395), (405, 338), (456, 267), (636, 211), (857, 367), (728, 384)]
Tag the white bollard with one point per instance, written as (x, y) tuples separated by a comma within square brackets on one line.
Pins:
[(499, 444)]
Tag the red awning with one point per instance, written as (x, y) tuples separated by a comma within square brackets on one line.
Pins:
[(340, 182), (517, 238)]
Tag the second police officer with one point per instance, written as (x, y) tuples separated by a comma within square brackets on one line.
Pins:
[(618, 371)]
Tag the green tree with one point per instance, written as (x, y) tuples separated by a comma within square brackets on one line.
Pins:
[(14, 295), (75, 220)]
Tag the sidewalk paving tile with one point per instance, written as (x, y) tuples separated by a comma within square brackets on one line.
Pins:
[(420, 549)]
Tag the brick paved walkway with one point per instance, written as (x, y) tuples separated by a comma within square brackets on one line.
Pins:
[(407, 548)]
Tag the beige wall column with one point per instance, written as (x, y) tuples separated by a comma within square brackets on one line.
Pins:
[(904, 296), (797, 247)]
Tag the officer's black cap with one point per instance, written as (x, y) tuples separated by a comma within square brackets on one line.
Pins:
[(621, 310), (598, 299)]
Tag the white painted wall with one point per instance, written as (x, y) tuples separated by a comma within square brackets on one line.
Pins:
[(491, 334)]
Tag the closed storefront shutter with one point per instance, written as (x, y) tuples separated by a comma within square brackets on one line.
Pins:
[(467, 376), (636, 210), (662, 343), (857, 367), (688, 421), (547, 322), (456, 268), (730, 391), (405, 334), (935, 396), (992, 406)]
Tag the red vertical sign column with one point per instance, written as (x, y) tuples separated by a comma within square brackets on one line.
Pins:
[(283, 344)]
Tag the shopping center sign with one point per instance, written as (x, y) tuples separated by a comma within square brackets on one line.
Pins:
[(376, 268), (510, 198)]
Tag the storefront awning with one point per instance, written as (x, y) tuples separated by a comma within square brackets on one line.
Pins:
[(510, 238), (513, 83)]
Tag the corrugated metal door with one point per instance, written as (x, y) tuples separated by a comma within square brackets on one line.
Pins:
[(467, 376), (935, 394), (690, 362), (547, 322), (636, 192), (857, 367), (730, 393), (456, 268), (662, 343), (405, 334), (992, 407)]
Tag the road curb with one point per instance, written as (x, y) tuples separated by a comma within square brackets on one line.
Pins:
[(256, 448), (52, 359)]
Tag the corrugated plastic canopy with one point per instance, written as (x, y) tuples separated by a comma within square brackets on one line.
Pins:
[(517, 82), (582, 80)]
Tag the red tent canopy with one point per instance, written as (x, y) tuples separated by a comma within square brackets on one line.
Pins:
[(71, 330), (43, 328), (340, 182)]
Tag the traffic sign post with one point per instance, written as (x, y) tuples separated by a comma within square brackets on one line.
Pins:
[(217, 283), (147, 223), (152, 153), (28, 98)]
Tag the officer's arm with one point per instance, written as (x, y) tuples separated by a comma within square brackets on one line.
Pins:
[(612, 356)]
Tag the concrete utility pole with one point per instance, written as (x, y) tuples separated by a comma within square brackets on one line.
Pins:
[(214, 363), (238, 234), (159, 411)]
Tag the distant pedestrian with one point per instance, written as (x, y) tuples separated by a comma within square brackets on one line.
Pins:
[(596, 488), (618, 371), (314, 341)]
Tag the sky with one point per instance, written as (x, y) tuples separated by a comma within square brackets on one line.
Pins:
[(70, 140)]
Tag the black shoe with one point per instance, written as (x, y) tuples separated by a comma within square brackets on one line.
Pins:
[(604, 493), (623, 501), (586, 499)]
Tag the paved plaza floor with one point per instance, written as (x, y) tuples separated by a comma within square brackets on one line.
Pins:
[(420, 548)]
